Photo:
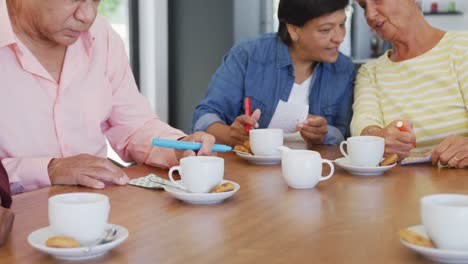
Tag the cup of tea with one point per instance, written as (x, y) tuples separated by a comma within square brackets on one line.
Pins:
[(199, 174), (82, 216), (364, 150), (302, 169), (265, 142), (445, 218)]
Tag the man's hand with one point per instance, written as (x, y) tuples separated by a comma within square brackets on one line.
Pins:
[(86, 170), (453, 151), (205, 139), (314, 130)]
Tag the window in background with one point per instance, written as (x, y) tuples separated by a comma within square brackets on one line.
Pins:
[(275, 15), (117, 13)]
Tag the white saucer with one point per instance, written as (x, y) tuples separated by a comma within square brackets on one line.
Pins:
[(437, 255), (260, 160), (38, 238), (202, 198), (346, 164)]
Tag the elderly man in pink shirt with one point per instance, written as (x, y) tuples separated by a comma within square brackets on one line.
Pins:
[(66, 86)]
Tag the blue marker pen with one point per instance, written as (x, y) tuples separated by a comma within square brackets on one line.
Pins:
[(184, 145)]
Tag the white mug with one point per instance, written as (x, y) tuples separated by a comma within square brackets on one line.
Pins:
[(199, 174), (364, 150), (445, 218), (265, 142), (82, 216), (302, 169)]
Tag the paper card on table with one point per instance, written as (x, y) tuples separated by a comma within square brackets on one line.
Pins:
[(145, 182), (417, 157), (288, 115)]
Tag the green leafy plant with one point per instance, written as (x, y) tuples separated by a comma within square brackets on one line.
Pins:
[(108, 7)]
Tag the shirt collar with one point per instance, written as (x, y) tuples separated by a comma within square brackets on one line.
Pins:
[(7, 36)]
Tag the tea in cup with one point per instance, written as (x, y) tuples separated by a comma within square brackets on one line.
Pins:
[(302, 169), (445, 218), (199, 174), (265, 142), (82, 216), (364, 150)]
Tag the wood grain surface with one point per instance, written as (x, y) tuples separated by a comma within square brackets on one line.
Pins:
[(347, 219)]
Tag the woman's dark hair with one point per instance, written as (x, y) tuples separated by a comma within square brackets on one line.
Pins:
[(298, 12)]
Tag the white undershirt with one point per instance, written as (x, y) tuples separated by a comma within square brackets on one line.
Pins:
[(289, 114), (300, 92)]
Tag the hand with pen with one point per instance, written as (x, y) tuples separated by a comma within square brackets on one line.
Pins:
[(238, 131), (207, 141), (399, 137)]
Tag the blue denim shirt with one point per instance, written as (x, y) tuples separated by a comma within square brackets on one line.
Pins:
[(262, 69)]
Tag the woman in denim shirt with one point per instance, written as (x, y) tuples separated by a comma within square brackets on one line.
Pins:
[(299, 63)]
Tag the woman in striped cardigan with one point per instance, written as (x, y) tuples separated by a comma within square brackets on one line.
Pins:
[(422, 83)]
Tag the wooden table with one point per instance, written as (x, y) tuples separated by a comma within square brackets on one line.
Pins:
[(347, 219)]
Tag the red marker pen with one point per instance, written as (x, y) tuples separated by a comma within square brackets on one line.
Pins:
[(248, 112), (401, 126)]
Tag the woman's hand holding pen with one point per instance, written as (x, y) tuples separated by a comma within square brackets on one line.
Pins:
[(235, 134), (237, 131), (399, 137)]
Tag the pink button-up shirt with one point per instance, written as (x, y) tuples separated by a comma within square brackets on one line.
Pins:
[(96, 98)]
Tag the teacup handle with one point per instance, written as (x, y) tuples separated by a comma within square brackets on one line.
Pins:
[(332, 170), (342, 148), (175, 168)]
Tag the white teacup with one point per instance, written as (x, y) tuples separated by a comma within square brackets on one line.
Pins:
[(364, 150), (445, 218), (265, 142), (82, 216), (302, 169), (199, 174)]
